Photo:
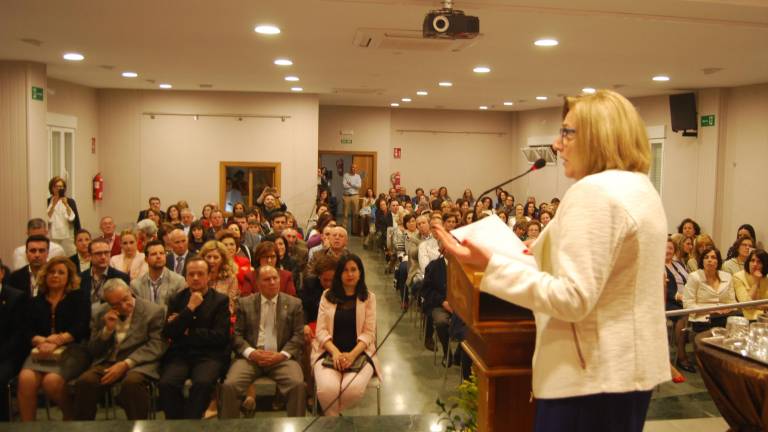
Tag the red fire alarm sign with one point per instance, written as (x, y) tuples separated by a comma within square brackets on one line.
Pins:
[(396, 152)]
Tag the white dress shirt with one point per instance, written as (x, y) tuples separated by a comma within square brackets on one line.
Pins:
[(262, 327), (61, 222), (20, 254)]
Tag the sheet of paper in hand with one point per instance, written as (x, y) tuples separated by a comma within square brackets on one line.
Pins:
[(493, 234)]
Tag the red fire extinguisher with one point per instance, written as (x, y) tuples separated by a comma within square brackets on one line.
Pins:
[(98, 187)]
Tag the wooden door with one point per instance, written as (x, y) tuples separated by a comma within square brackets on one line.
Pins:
[(366, 168)]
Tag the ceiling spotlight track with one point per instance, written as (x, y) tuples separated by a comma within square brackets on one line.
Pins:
[(196, 116)]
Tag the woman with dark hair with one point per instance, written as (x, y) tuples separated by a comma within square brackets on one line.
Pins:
[(708, 286), (366, 213), (544, 217), (266, 254), (196, 237), (738, 254), (689, 228), (205, 219), (383, 221), (676, 278), (238, 207), (468, 197), (173, 216), (317, 235), (442, 194), (487, 204), (59, 317), (345, 344), (531, 211), (751, 283), (745, 230), (63, 219)]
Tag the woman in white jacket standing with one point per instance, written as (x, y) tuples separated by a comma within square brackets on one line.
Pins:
[(601, 337)]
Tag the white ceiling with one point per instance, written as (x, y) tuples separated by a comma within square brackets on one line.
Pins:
[(608, 43)]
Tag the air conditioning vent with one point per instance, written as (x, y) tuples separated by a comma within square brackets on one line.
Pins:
[(358, 91), (535, 152), (407, 40)]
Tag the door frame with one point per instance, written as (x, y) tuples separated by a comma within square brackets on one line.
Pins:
[(353, 153), (223, 176)]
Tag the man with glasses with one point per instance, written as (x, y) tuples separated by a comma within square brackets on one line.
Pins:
[(126, 345), (93, 279)]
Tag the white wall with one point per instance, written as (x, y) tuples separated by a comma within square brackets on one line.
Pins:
[(80, 102), (428, 159), (178, 157), (745, 157), (371, 127)]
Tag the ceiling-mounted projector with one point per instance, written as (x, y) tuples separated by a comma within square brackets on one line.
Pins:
[(449, 23)]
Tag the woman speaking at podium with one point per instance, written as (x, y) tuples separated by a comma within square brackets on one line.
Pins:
[(601, 343)]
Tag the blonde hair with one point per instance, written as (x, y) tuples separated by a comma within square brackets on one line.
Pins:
[(73, 280), (610, 132), (701, 238), (228, 267)]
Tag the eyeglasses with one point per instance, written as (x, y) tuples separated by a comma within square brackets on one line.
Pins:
[(567, 133)]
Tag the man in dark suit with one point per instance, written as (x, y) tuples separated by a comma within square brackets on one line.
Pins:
[(126, 345), (198, 330), (25, 278), (434, 291), (92, 280), (177, 258), (269, 339), (13, 346), (154, 205)]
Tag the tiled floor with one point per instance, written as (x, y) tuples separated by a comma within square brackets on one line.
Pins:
[(412, 381)]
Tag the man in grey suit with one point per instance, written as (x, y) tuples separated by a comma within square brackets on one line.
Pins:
[(126, 346), (269, 338), (159, 284)]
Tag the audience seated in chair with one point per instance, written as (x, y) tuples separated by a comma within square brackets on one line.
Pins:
[(14, 306), (159, 284), (268, 342), (35, 227), (58, 320), (346, 330), (197, 330), (126, 346), (92, 280)]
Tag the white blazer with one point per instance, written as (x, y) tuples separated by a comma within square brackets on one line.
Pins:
[(699, 294), (598, 297), (365, 324)]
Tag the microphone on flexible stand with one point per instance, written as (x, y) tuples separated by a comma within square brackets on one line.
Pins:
[(539, 164)]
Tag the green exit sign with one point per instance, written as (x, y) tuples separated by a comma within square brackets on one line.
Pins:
[(708, 120), (37, 93)]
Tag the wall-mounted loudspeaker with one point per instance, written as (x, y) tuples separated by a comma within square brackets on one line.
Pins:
[(682, 108)]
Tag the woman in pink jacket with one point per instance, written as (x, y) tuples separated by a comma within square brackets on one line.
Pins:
[(345, 340)]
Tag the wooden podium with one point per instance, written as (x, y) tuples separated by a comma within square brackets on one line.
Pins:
[(500, 340)]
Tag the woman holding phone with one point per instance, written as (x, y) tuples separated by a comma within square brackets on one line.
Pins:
[(63, 219), (601, 344)]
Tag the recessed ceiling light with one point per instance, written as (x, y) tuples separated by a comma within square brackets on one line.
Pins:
[(422, 93), (406, 99), (481, 69), (165, 86), (661, 78), (394, 104), (445, 84), (283, 62), (129, 74), (508, 103), (73, 56), (297, 89), (482, 107), (267, 29), (291, 78), (541, 98), (546, 42), (588, 90)]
